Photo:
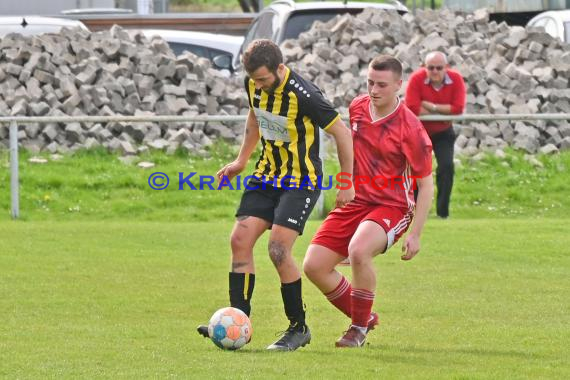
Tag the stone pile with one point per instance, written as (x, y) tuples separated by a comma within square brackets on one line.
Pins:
[(110, 73), (506, 69)]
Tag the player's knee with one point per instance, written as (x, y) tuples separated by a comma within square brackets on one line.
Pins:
[(277, 252), (311, 268), (358, 254), (239, 242)]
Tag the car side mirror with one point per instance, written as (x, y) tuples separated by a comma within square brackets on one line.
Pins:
[(223, 61)]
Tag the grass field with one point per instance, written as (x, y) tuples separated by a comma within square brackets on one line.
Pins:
[(486, 299), (104, 277), (96, 185)]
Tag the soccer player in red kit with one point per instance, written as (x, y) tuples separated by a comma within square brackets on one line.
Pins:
[(392, 154)]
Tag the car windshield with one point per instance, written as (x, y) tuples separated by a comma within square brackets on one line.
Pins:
[(179, 48), (201, 51), (263, 27), (301, 22)]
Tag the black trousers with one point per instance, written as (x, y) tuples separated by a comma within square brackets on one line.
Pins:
[(443, 147), (443, 144)]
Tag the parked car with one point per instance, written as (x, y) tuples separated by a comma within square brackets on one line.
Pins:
[(284, 19), (33, 25), (221, 49), (555, 23)]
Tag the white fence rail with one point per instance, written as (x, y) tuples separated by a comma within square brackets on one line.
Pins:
[(14, 121)]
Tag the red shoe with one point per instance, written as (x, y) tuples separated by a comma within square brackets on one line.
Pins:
[(351, 338), (372, 322)]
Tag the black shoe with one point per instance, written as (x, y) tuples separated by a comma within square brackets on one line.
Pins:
[(293, 338), (203, 330)]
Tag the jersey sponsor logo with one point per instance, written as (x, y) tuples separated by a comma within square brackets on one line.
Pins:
[(272, 127), (257, 96), (387, 221)]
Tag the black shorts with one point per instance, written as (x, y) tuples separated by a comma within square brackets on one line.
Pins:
[(287, 208)]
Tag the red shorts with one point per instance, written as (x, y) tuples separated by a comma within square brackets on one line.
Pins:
[(340, 225)]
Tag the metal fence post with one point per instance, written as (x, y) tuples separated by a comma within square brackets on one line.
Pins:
[(14, 120), (14, 181)]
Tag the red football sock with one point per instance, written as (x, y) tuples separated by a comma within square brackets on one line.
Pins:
[(362, 301), (340, 296)]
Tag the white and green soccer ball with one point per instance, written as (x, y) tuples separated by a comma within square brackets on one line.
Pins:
[(230, 328)]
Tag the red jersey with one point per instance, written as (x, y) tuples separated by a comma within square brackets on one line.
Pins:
[(389, 153), (452, 92)]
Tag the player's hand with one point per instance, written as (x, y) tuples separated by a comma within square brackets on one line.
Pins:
[(230, 170), (411, 247), (343, 197)]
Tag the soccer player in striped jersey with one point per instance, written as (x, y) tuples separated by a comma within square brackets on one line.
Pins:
[(286, 113), (391, 149)]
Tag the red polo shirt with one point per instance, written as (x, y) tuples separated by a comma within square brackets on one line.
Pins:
[(452, 92)]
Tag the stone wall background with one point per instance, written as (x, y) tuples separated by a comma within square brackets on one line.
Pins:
[(506, 69)]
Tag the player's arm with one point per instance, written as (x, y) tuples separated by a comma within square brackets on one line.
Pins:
[(250, 139), (343, 139), (425, 195)]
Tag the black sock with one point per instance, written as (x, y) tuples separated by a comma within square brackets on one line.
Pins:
[(241, 290), (293, 302)]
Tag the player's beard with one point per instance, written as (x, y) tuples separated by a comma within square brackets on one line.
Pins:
[(271, 89)]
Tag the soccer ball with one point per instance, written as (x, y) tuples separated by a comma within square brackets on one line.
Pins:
[(229, 328)]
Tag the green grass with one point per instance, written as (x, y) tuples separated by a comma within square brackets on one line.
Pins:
[(485, 299), (104, 277), (96, 185)]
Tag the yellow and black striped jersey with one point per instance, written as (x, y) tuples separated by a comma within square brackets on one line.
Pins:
[(288, 120)]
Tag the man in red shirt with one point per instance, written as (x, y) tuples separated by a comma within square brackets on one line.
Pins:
[(432, 90), (391, 150)]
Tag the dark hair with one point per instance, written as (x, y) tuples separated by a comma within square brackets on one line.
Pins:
[(387, 63), (262, 53)]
